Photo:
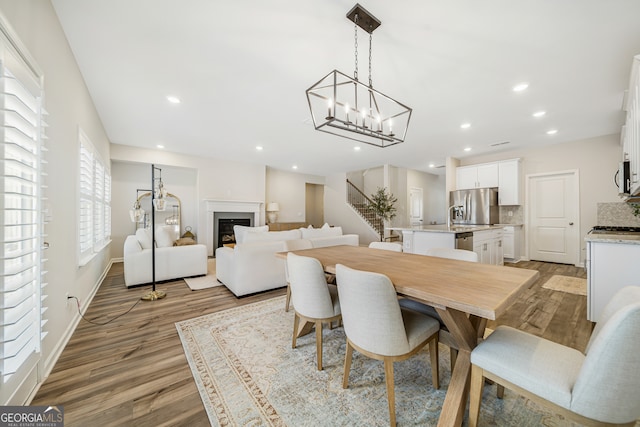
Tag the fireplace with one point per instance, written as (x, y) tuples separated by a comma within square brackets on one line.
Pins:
[(229, 210), (223, 226)]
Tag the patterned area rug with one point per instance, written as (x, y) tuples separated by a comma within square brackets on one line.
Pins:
[(204, 282), (248, 375), (572, 285)]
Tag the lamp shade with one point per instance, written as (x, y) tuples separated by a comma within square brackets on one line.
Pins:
[(273, 207)]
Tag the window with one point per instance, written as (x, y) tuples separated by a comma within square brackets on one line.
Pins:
[(21, 229), (94, 231)]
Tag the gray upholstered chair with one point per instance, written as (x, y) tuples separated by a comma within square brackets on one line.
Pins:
[(601, 387), (377, 327), (293, 245), (387, 246), (445, 336), (314, 300)]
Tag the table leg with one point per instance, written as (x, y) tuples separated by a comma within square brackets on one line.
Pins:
[(465, 330)]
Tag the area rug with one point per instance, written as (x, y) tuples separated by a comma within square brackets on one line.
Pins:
[(248, 375), (572, 285), (204, 282)]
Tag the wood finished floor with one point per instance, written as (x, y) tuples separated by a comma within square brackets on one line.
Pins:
[(133, 372)]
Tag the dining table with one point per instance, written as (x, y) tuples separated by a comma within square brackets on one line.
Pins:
[(465, 295)]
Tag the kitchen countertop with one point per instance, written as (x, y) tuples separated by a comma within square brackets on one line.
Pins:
[(443, 228), (629, 239)]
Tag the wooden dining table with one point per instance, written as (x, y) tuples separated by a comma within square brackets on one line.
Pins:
[(465, 295)]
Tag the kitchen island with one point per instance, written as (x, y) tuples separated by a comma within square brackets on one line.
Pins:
[(485, 240)]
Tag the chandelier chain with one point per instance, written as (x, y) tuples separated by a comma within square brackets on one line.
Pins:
[(370, 40), (355, 20)]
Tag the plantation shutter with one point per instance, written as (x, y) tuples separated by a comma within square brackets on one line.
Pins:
[(22, 184), (85, 220)]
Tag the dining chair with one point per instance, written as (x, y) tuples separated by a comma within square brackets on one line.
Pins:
[(378, 328), (387, 246), (293, 245), (314, 300), (600, 387), (444, 335)]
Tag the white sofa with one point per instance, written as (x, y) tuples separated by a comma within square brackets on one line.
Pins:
[(252, 266), (172, 262)]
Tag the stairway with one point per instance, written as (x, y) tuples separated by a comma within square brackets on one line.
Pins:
[(361, 203)]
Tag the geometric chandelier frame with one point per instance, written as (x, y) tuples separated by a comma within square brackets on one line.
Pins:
[(343, 106)]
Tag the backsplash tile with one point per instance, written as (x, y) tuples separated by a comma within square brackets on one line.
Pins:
[(517, 215), (617, 214)]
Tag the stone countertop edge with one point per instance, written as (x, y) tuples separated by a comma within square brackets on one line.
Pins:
[(628, 239), (445, 229)]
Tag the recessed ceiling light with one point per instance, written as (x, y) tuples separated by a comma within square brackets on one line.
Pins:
[(356, 148), (552, 131), (160, 146), (173, 99), (520, 87), (259, 147), (294, 167), (539, 113), (465, 125), (431, 165), (467, 149)]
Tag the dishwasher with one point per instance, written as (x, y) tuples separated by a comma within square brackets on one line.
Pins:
[(464, 241)]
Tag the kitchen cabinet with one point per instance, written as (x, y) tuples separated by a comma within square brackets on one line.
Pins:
[(477, 176), (512, 235), (630, 133), (488, 245), (509, 182), (609, 269), (504, 174)]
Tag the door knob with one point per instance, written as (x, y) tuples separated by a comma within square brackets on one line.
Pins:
[(570, 223)]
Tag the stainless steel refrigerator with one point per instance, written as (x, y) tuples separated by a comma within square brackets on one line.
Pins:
[(474, 206)]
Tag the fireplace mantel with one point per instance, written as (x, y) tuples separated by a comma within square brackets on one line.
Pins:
[(215, 205)]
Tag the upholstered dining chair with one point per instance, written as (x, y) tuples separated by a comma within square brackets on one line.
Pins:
[(293, 245), (314, 300), (601, 387), (377, 327), (387, 246), (444, 336)]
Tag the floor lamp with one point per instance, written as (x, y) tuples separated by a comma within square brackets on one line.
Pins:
[(158, 202)]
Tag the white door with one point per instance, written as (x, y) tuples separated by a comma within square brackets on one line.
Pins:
[(415, 206), (553, 217)]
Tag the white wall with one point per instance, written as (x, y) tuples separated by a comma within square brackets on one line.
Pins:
[(433, 195), (595, 158), (289, 190), (70, 106)]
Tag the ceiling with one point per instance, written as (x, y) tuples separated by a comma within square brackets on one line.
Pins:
[(241, 68)]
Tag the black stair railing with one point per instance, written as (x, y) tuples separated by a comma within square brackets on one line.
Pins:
[(361, 203)]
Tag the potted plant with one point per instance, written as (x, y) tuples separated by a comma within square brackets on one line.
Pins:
[(382, 204)]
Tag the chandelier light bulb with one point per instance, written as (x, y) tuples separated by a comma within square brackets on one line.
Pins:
[(329, 105), (346, 111)]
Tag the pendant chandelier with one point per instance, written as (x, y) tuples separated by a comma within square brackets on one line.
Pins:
[(343, 106)]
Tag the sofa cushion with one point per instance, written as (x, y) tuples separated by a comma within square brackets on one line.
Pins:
[(272, 236), (165, 236), (144, 237), (325, 231), (240, 231)]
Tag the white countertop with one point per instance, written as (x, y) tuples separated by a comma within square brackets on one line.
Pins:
[(629, 239), (443, 228)]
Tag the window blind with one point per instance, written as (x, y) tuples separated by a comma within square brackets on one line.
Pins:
[(21, 232)]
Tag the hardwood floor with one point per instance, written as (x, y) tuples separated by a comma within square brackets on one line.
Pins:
[(132, 371)]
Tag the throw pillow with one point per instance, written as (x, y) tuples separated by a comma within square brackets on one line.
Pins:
[(185, 241), (272, 235), (144, 237), (240, 231), (321, 232), (165, 236)]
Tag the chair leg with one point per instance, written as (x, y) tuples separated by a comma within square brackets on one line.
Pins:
[(475, 395), (319, 343), (435, 366), (347, 365), (453, 355), (296, 320), (391, 396), (288, 302)]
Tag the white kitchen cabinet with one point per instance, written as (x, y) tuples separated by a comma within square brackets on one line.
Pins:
[(488, 245), (610, 267), (512, 235), (477, 176), (417, 242), (509, 182)]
